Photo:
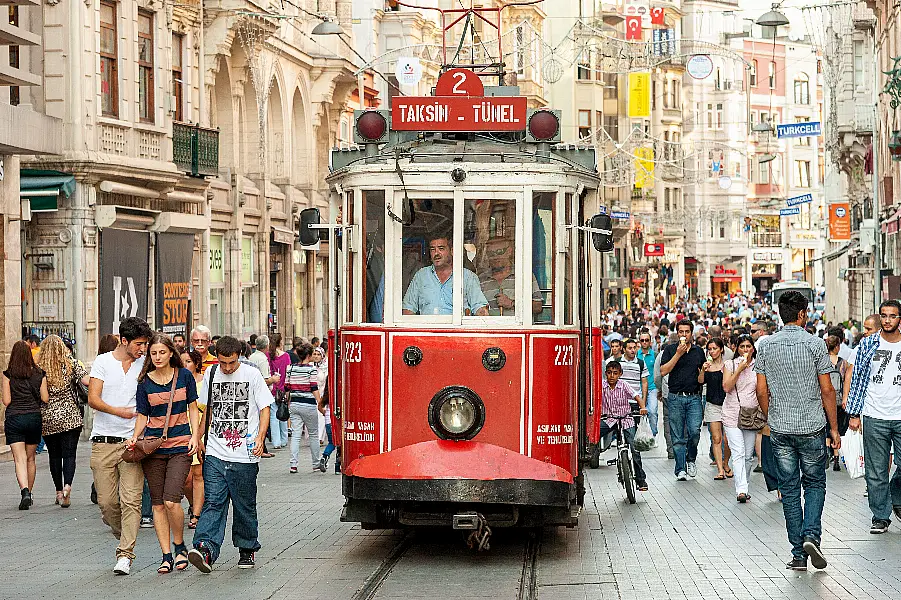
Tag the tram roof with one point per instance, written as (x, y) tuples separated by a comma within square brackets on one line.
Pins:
[(438, 149)]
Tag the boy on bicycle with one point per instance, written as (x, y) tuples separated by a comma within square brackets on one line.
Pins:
[(616, 397)]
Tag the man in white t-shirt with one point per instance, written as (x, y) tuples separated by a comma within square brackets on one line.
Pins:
[(112, 394), (876, 396), (238, 408)]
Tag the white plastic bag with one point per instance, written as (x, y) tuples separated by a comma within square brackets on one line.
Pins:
[(852, 452), (644, 437)]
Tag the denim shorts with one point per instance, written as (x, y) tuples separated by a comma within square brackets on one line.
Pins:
[(23, 428)]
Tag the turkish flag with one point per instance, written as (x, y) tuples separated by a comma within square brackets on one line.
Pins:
[(633, 28), (657, 16)]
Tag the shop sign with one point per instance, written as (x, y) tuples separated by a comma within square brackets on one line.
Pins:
[(798, 130), (840, 221), (174, 259), (459, 104), (802, 199), (768, 256), (246, 260), (124, 277), (217, 260), (722, 270), (654, 250), (787, 212)]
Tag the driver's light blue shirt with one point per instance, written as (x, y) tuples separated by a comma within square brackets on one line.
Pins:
[(426, 295)]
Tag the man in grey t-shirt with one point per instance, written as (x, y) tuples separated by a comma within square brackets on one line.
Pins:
[(796, 395)]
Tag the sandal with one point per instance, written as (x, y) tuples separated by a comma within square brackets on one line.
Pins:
[(165, 565), (181, 557), (743, 498), (66, 502), (719, 477), (192, 521), (730, 473)]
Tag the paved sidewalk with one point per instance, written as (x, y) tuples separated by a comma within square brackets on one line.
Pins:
[(681, 540)]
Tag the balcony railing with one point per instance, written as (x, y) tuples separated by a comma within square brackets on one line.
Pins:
[(195, 149), (766, 239)]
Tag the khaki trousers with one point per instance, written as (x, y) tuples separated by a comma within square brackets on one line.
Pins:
[(119, 485)]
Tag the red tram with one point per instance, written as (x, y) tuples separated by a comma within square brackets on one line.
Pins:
[(462, 255)]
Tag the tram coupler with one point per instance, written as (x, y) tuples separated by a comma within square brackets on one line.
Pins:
[(475, 522)]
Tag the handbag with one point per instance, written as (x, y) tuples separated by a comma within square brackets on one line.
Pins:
[(79, 390), (281, 410), (750, 418), (146, 446)]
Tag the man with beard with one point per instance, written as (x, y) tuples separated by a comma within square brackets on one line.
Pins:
[(876, 395)]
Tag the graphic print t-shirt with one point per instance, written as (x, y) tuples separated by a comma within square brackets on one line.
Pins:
[(237, 400), (884, 389)]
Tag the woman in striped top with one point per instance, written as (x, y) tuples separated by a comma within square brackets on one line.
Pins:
[(167, 468), (304, 405)]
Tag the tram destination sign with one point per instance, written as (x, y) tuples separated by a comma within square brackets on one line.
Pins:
[(798, 130), (459, 104)]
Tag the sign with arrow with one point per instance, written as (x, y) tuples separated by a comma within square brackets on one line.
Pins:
[(124, 277)]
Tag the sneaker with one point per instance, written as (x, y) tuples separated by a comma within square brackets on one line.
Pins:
[(836, 465), (642, 486), (670, 456), (200, 558), (880, 526), (93, 494), (146, 522), (292, 470), (682, 476), (246, 560), (123, 566), (897, 510), (323, 463), (692, 470), (812, 548), (758, 469), (797, 564)]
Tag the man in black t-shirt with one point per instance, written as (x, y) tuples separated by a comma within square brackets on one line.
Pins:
[(682, 362)]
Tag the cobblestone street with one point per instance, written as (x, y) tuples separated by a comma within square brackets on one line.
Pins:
[(681, 540)]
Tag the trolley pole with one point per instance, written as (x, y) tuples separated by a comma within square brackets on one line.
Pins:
[(877, 233)]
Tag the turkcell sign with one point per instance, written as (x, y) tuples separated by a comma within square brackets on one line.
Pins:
[(787, 212), (802, 199), (431, 113), (619, 214), (797, 130)]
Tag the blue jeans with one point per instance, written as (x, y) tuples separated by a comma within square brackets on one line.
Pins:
[(225, 481), (331, 444), (686, 414), (879, 438), (653, 406), (146, 508), (278, 430), (801, 461)]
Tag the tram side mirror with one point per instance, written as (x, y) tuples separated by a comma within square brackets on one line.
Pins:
[(603, 242), (409, 216), (308, 236)]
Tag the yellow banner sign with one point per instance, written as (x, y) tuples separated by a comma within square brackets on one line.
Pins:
[(644, 167), (639, 95)]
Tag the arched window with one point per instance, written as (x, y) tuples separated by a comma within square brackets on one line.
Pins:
[(752, 75), (802, 89)]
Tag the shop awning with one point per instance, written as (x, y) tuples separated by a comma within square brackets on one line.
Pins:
[(42, 188), (835, 253), (891, 225), (726, 278)]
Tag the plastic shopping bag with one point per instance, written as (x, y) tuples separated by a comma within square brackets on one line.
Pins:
[(852, 452), (644, 438)]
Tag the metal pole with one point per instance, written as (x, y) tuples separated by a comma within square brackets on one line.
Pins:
[(877, 246)]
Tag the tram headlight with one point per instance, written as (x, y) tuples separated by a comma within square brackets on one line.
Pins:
[(456, 413)]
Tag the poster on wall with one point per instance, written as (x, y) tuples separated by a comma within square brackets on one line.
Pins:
[(124, 273), (174, 254), (840, 221)]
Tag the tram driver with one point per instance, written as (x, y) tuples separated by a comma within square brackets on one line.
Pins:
[(431, 292), (499, 281)]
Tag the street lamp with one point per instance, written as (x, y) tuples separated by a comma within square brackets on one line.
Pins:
[(327, 28), (894, 146), (773, 18)]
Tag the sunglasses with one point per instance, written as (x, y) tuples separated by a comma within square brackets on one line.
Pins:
[(498, 252)]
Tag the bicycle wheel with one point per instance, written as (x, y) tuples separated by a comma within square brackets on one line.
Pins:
[(625, 472)]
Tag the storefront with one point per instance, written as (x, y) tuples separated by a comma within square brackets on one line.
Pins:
[(766, 269), (726, 279)]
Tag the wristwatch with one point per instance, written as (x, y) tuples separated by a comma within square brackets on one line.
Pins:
[(853, 416)]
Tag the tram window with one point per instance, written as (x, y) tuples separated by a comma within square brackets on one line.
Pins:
[(543, 249), (568, 266), (427, 261), (349, 285), (489, 239), (374, 257)]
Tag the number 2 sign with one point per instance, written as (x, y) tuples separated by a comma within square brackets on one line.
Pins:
[(459, 82)]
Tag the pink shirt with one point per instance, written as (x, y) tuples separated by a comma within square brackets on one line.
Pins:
[(616, 402), (743, 394)]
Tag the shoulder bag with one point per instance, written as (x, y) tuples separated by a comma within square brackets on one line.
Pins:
[(79, 390), (749, 417), (146, 446)]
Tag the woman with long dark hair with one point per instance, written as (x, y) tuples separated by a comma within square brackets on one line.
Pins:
[(24, 394), (279, 361), (712, 375), (61, 416), (163, 380), (740, 383)]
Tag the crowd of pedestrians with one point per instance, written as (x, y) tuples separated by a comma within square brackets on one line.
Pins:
[(169, 420), (775, 399)]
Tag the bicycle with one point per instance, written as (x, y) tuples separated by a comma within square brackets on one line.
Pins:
[(623, 460)]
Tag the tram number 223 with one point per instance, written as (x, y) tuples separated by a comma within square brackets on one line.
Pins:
[(353, 352), (564, 355)]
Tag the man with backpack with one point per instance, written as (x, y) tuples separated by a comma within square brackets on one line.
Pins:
[(635, 371)]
